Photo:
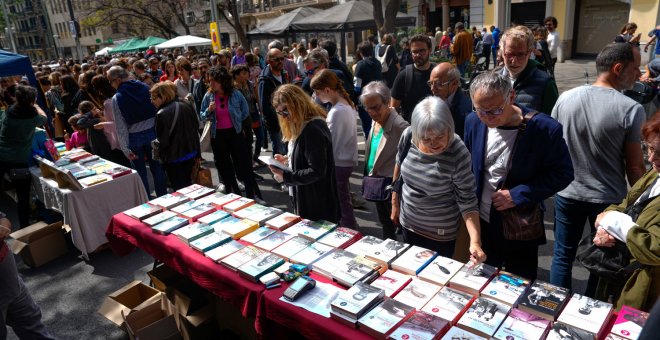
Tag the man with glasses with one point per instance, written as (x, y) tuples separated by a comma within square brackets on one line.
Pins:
[(534, 87), (410, 86), (445, 83), (201, 85), (154, 69), (553, 37), (272, 77), (603, 131)]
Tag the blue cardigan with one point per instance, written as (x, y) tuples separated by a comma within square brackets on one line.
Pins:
[(238, 110), (541, 165)]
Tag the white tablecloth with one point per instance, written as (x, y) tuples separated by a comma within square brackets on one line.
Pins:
[(88, 211)]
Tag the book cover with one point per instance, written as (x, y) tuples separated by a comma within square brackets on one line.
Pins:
[(449, 304), (199, 193), (84, 173), (260, 265), (561, 331), (238, 204), (143, 211), (383, 318), (265, 215), (311, 254), (420, 326), (239, 229), (52, 150), (341, 237), (194, 213), (273, 241), (192, 232), (291, 247), (473, 278), (299, 227), (611, 336), (179, 209), (356, 301), (365, 245), (152, 221), (257, 235), (169, 225), (210, 241), (213, 217), (506, 287), (520, 325), (333, 262), (417, 293), (317, 229), (413, 260), (219, 253), (117, 171), (283, 221), (586, 313), (189, 189), (219, 200), (629, 322), (355, 270), (544, 300), (456, 333), (440, 270), (343, 319), (241, 257), (93, 180), (392, 282), (226, 223), (244, 213), (484, 316), (387, 251), (169, 201)]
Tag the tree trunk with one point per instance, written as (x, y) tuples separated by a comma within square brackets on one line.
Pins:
[(385, 24), (235, 22)]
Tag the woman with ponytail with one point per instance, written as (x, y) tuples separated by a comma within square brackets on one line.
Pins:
[(342, 122)]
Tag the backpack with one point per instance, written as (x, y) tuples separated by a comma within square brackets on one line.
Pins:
[(383, 59)]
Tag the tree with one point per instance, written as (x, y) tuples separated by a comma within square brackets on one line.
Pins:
[(385, 24), (228, 10)]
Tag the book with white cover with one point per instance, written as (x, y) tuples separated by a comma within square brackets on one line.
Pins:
[(413, 260), (192, 232), (473, 278), (265, 215), (219, 253), (226, 223), (456, 333), (365, 245), (383, 318), (484, 316), (440, 270), (388, 251), (331, 263), (241, 257), (260, 265), (358, 269), (213, 217), (143, 211), (197, 212), (189, 189), (299, 227), (219, 200), (420, 326), (586, 313), (169, 201), (391, 282), (210, 241), (417, 293), (238, 204), (629, 322), (153, 220), (257, 235), (317, 229), (448, 304), (506, 287), (273, 241), (562, 331), (341, 237), (356, 301), (169, 225), (292, 247), (520, 325), (311, 254), (197, 194), (244, 213), (185, 206), (283, 221)]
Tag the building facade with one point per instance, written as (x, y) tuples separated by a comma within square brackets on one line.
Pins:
[(28, 22)]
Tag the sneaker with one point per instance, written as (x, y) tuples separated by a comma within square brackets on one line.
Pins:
[(357, 201), (260, 200), (221, 188)]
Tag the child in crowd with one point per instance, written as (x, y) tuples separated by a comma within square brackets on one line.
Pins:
[(80, 122)]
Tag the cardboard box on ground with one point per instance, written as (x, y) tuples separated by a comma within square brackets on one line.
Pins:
[(132, 297), (155, 321), (40, 243)]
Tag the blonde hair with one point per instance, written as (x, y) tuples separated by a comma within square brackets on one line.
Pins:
[(301, 109), (521, 34), (165, 90)]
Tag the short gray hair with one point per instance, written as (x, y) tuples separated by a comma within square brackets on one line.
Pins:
[(431, 114), (453, 74), (491, 83), (276, 44), (118, 72), (319, 56), (376, 88)]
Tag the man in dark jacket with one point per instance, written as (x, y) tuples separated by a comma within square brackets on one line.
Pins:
[(335, 64), (445, 82), (270, 79), (367, 70), (200, 87)]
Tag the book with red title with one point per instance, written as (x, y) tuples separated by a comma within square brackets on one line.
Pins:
[(629, 322), (392, 282), (383, 318), (520, 325), (484, 316), (417, 293), (449, 304), (413, 260), (421, 326), (283, 221), (341, 237)]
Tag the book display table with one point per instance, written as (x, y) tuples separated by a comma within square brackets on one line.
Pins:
[(87, 211)]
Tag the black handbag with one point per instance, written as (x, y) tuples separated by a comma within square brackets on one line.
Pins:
[(19, 174), (610, 263), (376, 188)]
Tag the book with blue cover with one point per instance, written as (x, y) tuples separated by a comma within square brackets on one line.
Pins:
[(169, 225)]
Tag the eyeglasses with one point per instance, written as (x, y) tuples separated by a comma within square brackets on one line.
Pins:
[(284, 113), (374, 108), (519, 55), (437, 84), (495, 112)]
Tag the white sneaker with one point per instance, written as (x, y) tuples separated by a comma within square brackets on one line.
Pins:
[(221, 188)]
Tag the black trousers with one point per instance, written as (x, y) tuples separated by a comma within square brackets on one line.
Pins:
[(384, 210), (519, 260), (230, 151), (22, 191), (180, 174)]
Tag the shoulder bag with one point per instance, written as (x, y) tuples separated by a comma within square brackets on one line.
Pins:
[(155, 144)]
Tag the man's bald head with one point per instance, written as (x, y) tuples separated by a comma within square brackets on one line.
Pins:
[(445, 80)]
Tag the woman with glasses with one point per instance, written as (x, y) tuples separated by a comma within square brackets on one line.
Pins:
[(311, 180), (636, 222), (434, 185), (533, 163), (226, 108)]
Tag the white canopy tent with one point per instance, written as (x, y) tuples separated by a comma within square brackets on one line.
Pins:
[(103, 51), (184, 41)]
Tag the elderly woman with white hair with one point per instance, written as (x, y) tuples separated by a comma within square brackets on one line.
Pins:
[(435, 185)]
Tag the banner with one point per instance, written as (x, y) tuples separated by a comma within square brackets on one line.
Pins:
[(215, 37)]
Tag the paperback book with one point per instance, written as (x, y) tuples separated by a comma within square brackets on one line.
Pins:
[(197, 194), (506, 287), (365, 245), (93, 180), (358, 269), (413, 260), (520, 325), (192, 232), (213, 217), (561, 331), (449, 304), (169, 225), (219, 200), (357, 300), (116, 172), (153, 220), (473, 278), (317, 229), (257, 235), (299, 227), (387, 251), (241, 257), (244, 213), (544, 300), (265, 215), (417, 293), (456, 333), (311, 254), (219, 253), (210, 241), (283, 221), (179, 209), (421, 326), (383, 318), (292, 247), (273, 241), (328, 265), (586, 313), (189, 189), (240, 229), (238, 204), (629, 323), (143, 211), (392, 282), (440, 270), (260, 266), (484, 317), (341, 237), (169, 201), (225, 223), (194, 213)]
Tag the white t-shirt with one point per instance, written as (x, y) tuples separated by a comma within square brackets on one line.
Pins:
[(553, 43), (499, 143), (342, 122)]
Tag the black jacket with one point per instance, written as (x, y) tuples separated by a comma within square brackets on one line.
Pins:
[(313, 177), (267, 86), (184, 138)]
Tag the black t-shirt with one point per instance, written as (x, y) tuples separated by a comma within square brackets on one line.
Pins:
[(418, 90)]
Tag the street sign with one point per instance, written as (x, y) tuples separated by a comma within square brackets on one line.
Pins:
[(215, 37)]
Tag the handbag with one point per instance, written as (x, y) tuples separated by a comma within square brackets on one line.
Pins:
[(205, 139), (155, 144), (376, 188), (610, 263), (522, 222), (201, 175)]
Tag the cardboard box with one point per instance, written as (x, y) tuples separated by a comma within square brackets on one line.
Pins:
[(153, 322), (196, 311), (134, 296), (39, 243), (164, 278)]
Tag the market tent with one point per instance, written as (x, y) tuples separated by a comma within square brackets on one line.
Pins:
[(126, 46), (184, 41), (150, 41), (103, 51), (19, 65), (349, 16), (281, 24)]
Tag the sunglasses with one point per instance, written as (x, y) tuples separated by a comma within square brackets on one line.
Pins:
[(276, 58), (495, 112), (284, 113)]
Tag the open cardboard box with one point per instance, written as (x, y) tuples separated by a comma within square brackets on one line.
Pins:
[(155, 321), (164, 278), (196, 311), (132, 297), (39, 243)]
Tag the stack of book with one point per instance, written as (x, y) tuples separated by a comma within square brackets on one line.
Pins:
[(238, 229), (587, 314), (117, 171), (544, 300), (238, 204), (421, 326), (506, 287), (484, 317), (260, 266), (413, 260), (143, 211), (210, 241), (153, 220), (199, 193), (169, 225), (265, 215), (241, 257), (219, 253), (196, 212), (341, 237), (169, 201), (257, 235), (365, 245), (440, 270), (213, 217), (180, 209), (449, 304), (358, 269), (417, 293), (189, 189), (387, 251), (192, 232), (521, 325), (219, 200), (253, 209), (352, 304), (384, 318), (283, 221), (473, 278)]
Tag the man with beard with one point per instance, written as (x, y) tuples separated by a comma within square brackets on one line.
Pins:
[(410, 85), (270, 79)]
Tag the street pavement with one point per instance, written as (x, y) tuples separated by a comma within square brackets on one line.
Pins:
[(69, 290)]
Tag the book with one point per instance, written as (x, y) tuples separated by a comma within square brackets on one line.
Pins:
[(520, 325), (357, 300), (259, 266), (440, 270), (544, 300), (506, 287), (456, 333), (586, 313), (387, 251), (358, 269), (152, 221), (317, 229), (192, 232), (265, 215), (312, 253), (299, 227), (273, 241), (561, 331), (484, 317), (225, 223), (213, 217), (241, 257), (143, 211), (383, 318), (413, 260), (219, 253), (169, 225), (169, 201), (257, 235), (391, 282), (291, 247), (219, 200), (179, 209), (238, 204), (341, 237), (199, 193), (84, 173), (283, 221), (629, 322), (194, 213), (93, 180), (244, 213), (449, 304), (344, 320), (189, 189), (612, 336), (417, 293), (473, 278), (274, 163), (239, 229), (117, 171), (420, 326), (365, 245), (210, 241), (331, 263)]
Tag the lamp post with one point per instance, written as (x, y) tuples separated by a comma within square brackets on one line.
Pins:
[(57, 47)]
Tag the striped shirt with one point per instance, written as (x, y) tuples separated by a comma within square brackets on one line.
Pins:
[(437, 190)]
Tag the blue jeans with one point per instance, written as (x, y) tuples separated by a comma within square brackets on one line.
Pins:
[(570, 216), (140, 144)]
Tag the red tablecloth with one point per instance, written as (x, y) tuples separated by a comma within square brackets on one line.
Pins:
[(125, 234)]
